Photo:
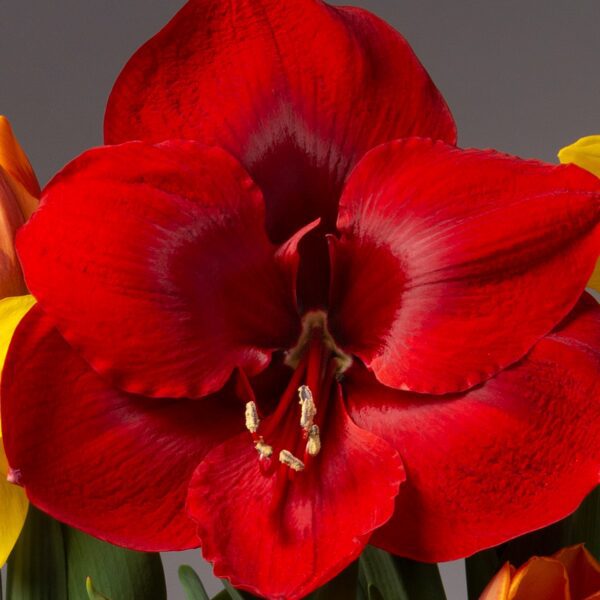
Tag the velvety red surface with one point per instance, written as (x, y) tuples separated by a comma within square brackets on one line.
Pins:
[(174, 281)]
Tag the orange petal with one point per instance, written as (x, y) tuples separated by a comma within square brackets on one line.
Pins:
[(497, 588), (540, 578), (14, 160), (19, 191), (583, 571), (11, 218)]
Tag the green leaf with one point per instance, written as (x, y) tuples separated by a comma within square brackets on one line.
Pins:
[(480, 569), (118, 572), (385, 577), (584, 524), (380, 578), (342, 586), (422, 581), (194, 590), (36, 567), (236, 594), (92, 592)]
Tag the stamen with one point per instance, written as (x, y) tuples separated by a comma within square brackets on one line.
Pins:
[(313, 445), (309, 410), (288, 459), (252, 420), (264, 450)]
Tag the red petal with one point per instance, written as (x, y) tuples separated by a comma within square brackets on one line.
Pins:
[(112, 464), (283, 538), (297, 91), (453, 263), (153, 262), (513, 455)]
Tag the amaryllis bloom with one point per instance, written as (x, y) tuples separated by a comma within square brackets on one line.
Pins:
[(570, 574), (585, 153), (18, 198), (282, 316)]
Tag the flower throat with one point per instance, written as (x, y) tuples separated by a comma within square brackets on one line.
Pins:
[(294, 435)]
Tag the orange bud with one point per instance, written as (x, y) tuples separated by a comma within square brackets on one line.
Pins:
[(571, 574), (19, 193)]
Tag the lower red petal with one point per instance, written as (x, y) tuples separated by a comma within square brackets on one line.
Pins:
[(282, 537), (110, 463), (510, 456)]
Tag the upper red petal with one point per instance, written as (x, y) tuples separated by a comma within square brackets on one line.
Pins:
[(110, 463), (452, 263), (297, 91), (154, 263), (512, 455), (283, 538)]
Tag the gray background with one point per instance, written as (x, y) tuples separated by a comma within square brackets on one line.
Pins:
[(519, 75)]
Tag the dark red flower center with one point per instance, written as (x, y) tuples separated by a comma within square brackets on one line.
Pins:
[(292, 435)]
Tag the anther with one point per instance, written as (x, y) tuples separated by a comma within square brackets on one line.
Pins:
[(263, 449), (309, 410), (313, 445), (289, 460), (252, 420)]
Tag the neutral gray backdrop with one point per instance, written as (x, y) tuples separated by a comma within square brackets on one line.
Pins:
[(520, 75)]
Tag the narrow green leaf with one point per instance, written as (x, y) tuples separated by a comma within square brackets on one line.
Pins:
[(380, 577), (480, 569), (92, 592), (233, 593), (422, 581), (36, 567), (191, 583), (385, 577), (343, 585), (224, 595), (584, 524), (119, 573)]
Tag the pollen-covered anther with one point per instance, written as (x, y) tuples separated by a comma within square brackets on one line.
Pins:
[(252, 420), (289, 460), (307, 403), (264, 450), (313, 445)]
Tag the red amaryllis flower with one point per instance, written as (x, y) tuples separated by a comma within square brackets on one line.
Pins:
[(238, 344)]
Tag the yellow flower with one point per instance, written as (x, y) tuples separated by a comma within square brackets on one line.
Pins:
[(571, 574), (585, 153), (19, 193)]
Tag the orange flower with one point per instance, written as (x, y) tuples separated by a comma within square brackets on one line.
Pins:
[(571, 574), (19, 193)]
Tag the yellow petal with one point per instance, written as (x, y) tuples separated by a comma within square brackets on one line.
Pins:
[(12, 310), (497, 588), (594, 281), (13, 510), (13, 502), (540, 578), (14, 161), (585, 153)]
